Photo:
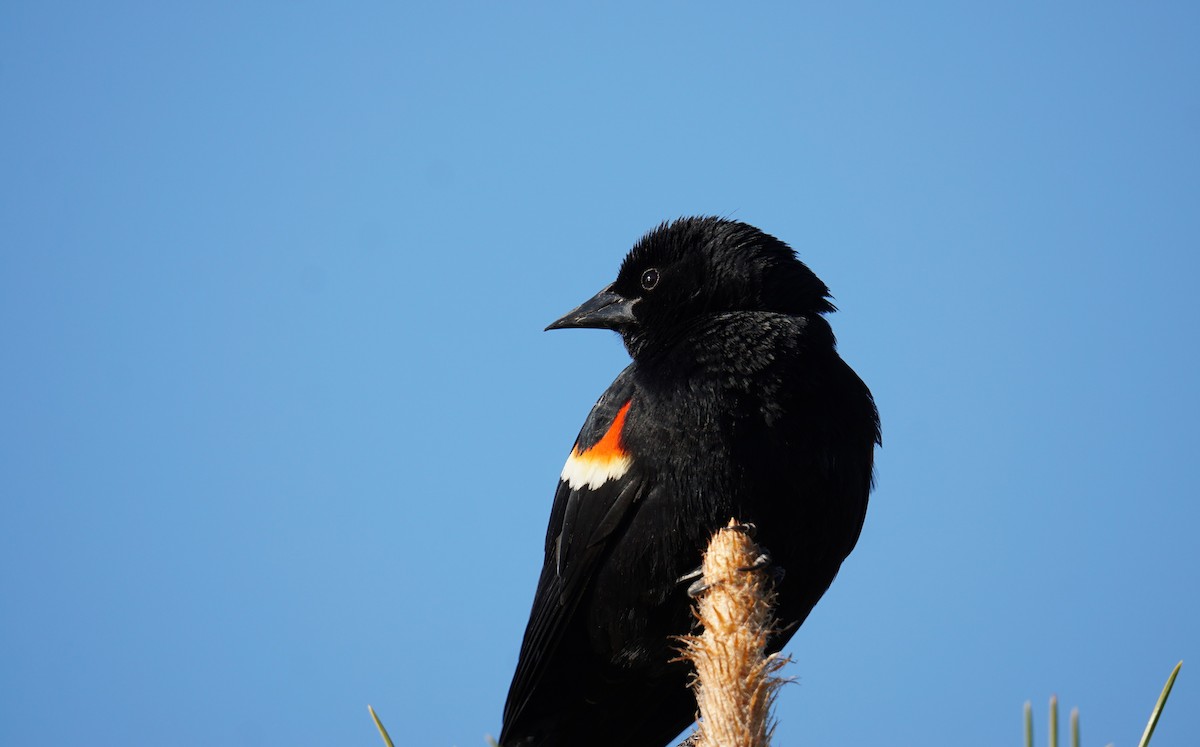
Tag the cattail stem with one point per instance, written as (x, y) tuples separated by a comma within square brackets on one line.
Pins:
[(735, 678)]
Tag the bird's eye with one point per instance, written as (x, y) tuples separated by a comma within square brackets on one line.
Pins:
[(649, 279)]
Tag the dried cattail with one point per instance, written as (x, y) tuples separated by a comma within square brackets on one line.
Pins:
[(735, 680)]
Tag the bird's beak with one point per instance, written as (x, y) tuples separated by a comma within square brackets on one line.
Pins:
[(605, 310)]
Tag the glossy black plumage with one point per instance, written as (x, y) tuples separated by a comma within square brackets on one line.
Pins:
[(738, 406)]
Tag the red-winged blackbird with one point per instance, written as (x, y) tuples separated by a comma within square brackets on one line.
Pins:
[(736, 405)]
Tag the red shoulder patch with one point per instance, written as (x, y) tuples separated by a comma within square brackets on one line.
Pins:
[(603, 461)]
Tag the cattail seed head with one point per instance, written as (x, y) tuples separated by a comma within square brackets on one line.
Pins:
[(736, 680)]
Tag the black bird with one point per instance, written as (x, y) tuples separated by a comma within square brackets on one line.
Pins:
[(736, 405)]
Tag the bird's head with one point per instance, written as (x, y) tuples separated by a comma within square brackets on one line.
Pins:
[(693, 268)]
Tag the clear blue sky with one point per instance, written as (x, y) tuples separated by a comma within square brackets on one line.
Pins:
[(280, 427)]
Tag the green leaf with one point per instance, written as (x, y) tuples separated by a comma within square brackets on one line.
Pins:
[(1158, 707), (379, 725), (1053, 721)]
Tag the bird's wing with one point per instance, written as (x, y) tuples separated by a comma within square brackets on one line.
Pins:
[(600, 483)]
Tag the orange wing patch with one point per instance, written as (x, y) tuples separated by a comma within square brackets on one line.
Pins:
[(604, 461)]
